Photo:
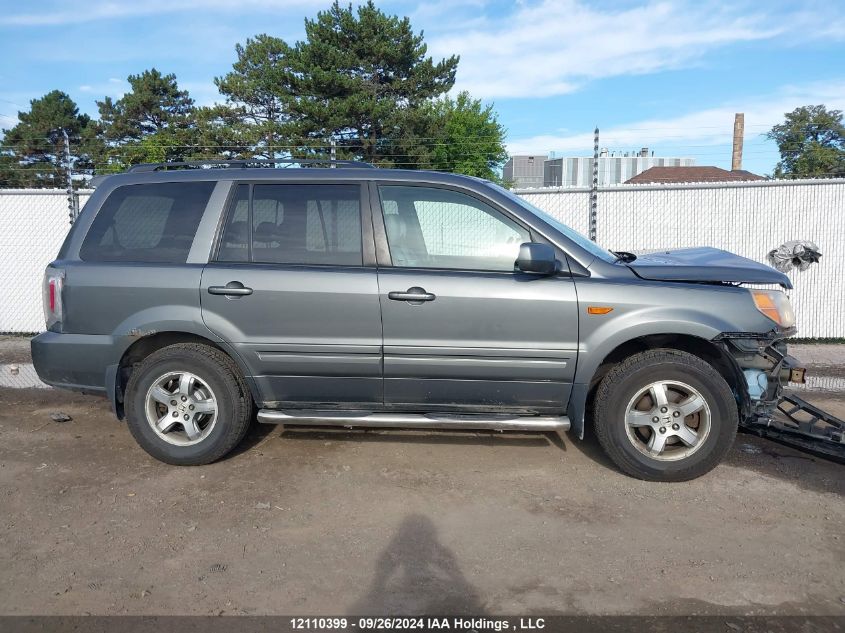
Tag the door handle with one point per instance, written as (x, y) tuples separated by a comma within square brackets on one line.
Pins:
[(231, 289), (411, 294)]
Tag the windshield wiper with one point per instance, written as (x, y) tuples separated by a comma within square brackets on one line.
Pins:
[(624, 256)]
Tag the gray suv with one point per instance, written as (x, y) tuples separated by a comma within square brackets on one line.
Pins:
[(191, 295)]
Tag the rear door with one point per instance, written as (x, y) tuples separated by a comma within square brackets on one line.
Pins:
[(135, 258), (463, 330), (134, 268), (289, 289)]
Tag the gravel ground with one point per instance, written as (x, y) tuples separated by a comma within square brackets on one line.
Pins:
[(335, 522), (14, 349)]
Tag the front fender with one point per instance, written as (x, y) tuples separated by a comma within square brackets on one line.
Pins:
[(605, 338), (648, 309), (643, 309)]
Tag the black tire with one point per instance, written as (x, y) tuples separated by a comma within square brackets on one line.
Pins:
[(219, 372), (623, 382)]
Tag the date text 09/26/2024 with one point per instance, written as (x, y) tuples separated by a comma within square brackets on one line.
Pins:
[(416, 623)]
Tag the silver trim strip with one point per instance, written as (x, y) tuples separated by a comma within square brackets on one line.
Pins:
[(351, 419)]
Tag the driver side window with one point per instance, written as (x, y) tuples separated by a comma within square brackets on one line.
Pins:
[(440, 228)]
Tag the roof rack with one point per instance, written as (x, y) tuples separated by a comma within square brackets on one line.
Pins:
[(246, 162)]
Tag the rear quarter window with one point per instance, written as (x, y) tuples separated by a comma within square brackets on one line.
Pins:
[(153, 222)]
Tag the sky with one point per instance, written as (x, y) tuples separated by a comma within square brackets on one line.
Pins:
[(667, 74)]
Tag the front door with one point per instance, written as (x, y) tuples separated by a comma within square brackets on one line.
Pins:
[(463, 330), (288, 289)]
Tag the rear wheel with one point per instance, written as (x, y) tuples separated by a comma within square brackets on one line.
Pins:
[(665, 415), (187, 404)]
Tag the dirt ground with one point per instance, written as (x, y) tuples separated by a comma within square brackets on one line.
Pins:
[(332, 522)]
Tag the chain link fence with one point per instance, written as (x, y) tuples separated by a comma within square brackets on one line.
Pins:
[(749, 219), (33, 225)]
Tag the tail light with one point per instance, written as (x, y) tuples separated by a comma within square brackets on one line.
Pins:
[(53, 303)]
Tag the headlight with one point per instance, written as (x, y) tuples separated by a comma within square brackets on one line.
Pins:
[(775, 305)]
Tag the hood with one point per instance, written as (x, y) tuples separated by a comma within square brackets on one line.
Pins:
[(705, 265)]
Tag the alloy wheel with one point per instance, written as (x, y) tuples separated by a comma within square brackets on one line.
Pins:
[(667, 420), (181, 408)]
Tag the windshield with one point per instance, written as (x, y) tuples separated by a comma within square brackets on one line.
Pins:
[(581, 240)]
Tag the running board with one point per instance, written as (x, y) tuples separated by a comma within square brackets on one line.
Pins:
[(351, 419)]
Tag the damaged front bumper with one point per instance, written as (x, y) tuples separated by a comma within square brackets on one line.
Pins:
[(763, 369), (766, 368)]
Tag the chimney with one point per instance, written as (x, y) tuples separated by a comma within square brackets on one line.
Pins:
[(644, 152), (739, 132)]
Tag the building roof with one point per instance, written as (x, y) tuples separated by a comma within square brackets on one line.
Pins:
[(703, 173)]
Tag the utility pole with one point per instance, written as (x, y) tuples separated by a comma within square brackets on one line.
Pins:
[(594, 190), (71, 199), (739, 132)]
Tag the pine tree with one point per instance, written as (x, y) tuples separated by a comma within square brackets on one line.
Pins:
[(258, 93), (33, 154), (154, 119), (361, 77)]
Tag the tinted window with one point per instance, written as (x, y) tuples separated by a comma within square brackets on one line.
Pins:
[(147, 223), (439, 228), (234, 243), (294, 224)]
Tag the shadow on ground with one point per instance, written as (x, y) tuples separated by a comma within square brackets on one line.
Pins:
[(805, 470), (303, 433), (416, 574)]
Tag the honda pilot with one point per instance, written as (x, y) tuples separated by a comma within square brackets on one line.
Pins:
[(197, 297)]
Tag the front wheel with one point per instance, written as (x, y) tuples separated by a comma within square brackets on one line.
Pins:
[(187, 404), (665, 415)]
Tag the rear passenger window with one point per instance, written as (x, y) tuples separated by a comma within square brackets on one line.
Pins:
[(155, 222), (294, 224)]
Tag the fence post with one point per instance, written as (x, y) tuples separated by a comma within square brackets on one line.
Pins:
[(594, 190), (71, 199)]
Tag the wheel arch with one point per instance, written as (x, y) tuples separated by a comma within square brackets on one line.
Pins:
[(584, 392), (118, 375)]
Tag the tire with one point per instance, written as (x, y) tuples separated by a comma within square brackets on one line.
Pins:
[(208, 391), (674, 438)]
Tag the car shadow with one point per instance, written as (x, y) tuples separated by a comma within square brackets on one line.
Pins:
[(421, 436), (256, 434), (808, 471), (591, 448), (417, 574)]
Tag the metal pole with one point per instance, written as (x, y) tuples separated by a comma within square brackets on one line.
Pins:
[(71, 199), (594, 190)]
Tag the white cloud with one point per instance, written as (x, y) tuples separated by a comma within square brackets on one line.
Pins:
[(112, 87), (553, 47), (114, 9), (711, 126)]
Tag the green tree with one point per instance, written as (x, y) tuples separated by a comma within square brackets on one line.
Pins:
[(154, 119), (471, 139), (219, 132), (359, 77), (258, 91), (459, 135), (811, 142), (33, 154)]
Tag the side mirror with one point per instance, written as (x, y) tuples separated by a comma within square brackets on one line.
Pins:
[(536, 258)]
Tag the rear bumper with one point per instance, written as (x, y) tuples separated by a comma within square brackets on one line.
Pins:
[(74, 361)]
